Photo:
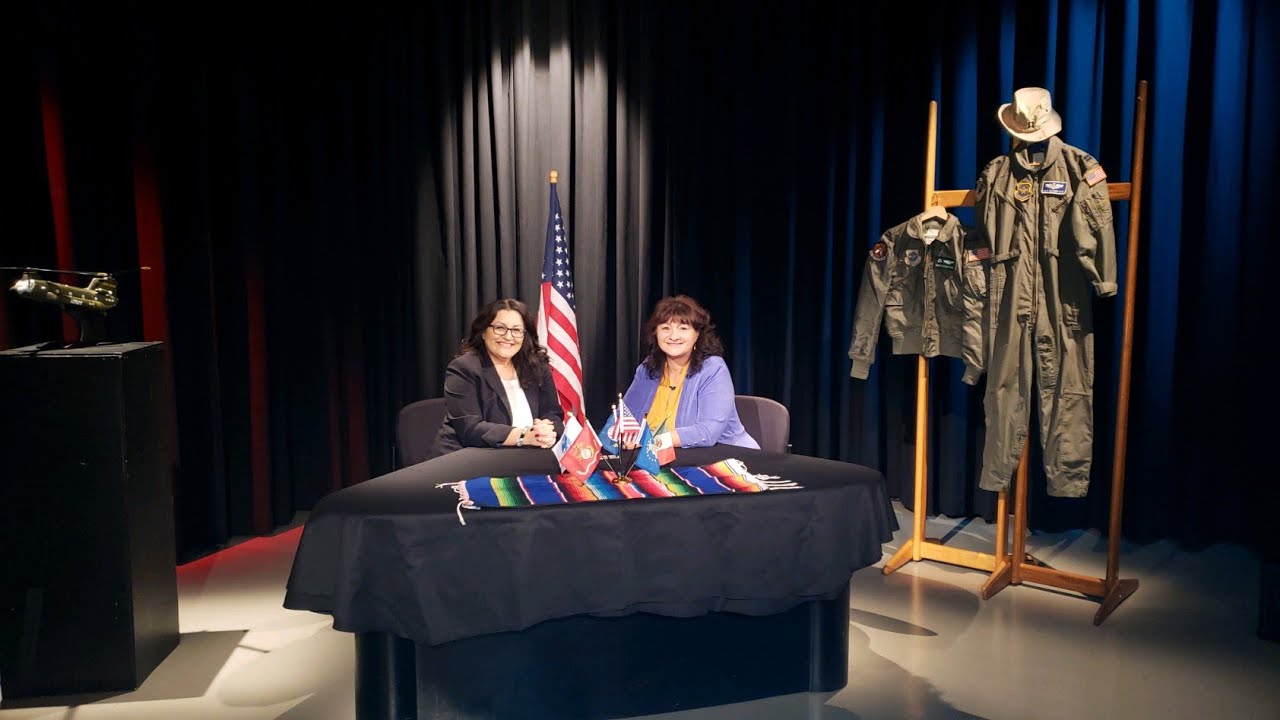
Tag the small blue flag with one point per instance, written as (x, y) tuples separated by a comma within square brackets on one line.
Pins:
[(647, 460), (606, 443)]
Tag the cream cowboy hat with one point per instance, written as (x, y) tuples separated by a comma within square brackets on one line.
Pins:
[(1030, 116)]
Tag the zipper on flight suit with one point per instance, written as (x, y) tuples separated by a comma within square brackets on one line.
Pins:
[(930, 297)]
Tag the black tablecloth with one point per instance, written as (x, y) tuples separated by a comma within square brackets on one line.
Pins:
[(390, 554)]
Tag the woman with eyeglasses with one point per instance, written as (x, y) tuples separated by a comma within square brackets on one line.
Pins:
[(498, 390), (683, 386)]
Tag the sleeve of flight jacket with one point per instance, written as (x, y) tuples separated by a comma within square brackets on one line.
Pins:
[(876, 279)]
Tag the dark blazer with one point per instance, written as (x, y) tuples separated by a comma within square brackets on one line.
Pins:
[(478, 414)]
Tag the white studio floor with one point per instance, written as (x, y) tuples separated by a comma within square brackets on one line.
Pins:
[(922, 644)]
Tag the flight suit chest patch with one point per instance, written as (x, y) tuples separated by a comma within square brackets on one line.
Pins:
[(1053, 187), (943, 262), (1023, 191), (911, 257)]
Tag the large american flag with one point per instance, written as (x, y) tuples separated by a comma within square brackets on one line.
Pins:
[(557, 321)]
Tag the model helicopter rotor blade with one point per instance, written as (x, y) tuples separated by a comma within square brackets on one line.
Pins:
[(89, 273)]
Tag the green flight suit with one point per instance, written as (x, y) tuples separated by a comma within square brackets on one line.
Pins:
[(1053, 248)]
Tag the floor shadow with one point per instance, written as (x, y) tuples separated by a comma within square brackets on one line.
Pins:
[(291, 672), (902, 602), (888, 624), (186, 673), (880, 689), (51, 701), (799, 706)]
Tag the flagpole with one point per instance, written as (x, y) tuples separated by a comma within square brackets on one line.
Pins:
[(617, 427)]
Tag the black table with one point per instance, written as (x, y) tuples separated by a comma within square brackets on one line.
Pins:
[(705, 580)]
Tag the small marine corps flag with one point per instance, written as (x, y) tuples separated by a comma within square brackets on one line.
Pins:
[(579, 449)]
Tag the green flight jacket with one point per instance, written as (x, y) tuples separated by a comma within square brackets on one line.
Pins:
[(930, 294)]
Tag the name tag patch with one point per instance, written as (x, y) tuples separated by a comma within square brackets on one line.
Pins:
[(944, 263), (1053, 187)]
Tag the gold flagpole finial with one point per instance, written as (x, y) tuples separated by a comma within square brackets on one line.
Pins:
[(554, 177)]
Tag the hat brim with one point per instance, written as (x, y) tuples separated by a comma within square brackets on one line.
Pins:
[(1052, 126)]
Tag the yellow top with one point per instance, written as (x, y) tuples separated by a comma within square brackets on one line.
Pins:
[(662, 413)]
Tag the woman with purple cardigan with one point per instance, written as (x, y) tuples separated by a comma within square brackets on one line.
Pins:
[(683, 385)]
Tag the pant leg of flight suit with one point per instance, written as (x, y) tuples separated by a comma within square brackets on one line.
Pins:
[(1064, 355), (1009, 369)]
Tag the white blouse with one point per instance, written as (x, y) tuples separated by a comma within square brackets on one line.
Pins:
[(521, 413)]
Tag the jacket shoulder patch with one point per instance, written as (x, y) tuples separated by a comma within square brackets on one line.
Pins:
[(1095, 175)]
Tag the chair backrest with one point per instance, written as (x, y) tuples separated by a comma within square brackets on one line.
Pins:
[(416, 429), (766, 420)]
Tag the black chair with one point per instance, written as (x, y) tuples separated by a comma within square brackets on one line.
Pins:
[(766, 420), (416, 429)]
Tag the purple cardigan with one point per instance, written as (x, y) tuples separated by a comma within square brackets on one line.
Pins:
[(706, 414)]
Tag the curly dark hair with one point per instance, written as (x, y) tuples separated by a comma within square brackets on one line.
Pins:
[(531, 361), (684, 309)]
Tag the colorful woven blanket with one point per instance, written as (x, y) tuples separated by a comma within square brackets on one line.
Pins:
[(726, 476)]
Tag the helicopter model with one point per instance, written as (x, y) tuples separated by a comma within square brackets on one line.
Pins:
[(88, 305)]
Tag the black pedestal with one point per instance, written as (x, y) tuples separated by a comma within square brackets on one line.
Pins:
[(586, 667), (88, 583), (1269, 600)]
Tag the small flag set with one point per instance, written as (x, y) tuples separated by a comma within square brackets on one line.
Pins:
[(623, 444)]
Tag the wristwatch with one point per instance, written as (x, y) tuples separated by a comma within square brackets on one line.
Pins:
[(520, 440)]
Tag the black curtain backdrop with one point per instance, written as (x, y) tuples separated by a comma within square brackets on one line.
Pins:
[(326, 199)]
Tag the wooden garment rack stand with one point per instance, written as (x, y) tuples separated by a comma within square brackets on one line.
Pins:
[(919, 547), (1019, 567)]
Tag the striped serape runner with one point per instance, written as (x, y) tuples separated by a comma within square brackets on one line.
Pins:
[(726, 476)]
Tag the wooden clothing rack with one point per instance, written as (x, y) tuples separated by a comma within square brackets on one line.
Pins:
[(1018, 567), (919, 546)]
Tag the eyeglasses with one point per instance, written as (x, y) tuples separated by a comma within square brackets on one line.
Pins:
[(502, 330)]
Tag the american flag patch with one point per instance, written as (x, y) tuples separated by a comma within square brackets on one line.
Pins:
[(1095, 176), (977, 254)]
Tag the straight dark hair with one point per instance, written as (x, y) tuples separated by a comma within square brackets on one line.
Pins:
[(681, 309), (531, 361)]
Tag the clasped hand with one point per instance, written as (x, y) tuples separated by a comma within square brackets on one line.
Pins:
[(544, 433)]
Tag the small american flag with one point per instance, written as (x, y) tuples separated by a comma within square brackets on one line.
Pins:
[(557, 318), (979, 253), (625, 429)]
